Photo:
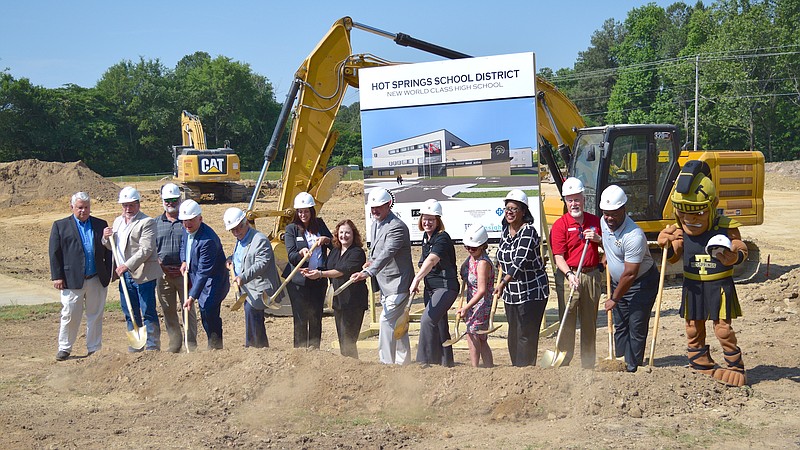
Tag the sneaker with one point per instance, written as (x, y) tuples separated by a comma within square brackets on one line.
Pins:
[(62, 355)]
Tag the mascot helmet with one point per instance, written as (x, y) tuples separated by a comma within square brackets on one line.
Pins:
[(694, 189)]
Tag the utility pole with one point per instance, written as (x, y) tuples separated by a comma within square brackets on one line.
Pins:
[(696, 95)]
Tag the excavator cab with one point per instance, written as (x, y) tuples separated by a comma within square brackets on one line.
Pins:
[(641, 159)]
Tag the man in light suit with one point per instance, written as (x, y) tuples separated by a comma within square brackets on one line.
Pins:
[(80, 268), (203, 258), (253, 265), (390, 263), (136, 263)]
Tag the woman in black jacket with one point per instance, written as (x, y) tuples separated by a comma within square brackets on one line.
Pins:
[(346, 258), (306, 295)]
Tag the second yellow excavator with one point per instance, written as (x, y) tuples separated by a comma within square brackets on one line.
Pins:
[(206, 174)]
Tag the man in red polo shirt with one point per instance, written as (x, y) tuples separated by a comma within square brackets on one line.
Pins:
[(567, 238)]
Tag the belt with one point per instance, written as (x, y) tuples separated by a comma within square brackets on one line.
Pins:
[(584, 269), (89, 277)]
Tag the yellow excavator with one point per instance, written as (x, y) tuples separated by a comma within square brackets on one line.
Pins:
[(206, 174), (643, 159)]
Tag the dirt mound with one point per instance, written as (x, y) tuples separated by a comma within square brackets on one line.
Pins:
[(782, 176), (30, 179)]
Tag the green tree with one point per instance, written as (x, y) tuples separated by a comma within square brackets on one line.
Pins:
[(138, 99)]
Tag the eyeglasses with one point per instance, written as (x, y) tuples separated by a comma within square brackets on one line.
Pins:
[(171, 200), (512, 210)]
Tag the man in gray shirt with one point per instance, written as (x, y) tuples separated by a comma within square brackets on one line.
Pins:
[(634, 278), (169, 231)]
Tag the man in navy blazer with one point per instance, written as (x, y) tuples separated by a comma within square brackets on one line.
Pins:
[(80, 267), (203, 258)]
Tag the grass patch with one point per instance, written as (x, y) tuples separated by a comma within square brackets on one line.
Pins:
[(12, 313), (137, 178), (493, 194), (26, 312)]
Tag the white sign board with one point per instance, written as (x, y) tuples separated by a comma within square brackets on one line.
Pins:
[(446, 130)]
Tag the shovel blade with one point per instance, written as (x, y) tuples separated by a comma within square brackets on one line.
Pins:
[(450, 342), (401, 328), (239, 302), (552, 359), (490, 331), (137, 338)]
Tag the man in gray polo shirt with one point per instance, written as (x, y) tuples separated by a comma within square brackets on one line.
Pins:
[(169, 231), (634, 278)]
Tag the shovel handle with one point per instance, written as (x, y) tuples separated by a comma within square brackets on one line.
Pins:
[(124, 284), (658, 303), (611, 353), (294, 272), (495, 301), (185, 311), (343, 287)]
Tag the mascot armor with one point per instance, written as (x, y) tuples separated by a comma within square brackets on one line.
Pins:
[(708, 289)]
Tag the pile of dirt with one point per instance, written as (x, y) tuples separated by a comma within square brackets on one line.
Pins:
[(782, 175), (30, 179)]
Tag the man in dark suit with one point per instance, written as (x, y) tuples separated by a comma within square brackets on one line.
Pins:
[(390, 263), (80, 267), (203, 258)]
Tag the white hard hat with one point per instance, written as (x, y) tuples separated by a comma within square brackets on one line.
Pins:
[(431, 207), (571, 186), (303, 200), (170, 190), (129, 194), (717, 242), (475, 236), (379, 196), (612, 198), (518, 196), (189, 210), (232, 218)]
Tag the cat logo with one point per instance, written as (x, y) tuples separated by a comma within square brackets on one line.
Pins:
[(213, 165)]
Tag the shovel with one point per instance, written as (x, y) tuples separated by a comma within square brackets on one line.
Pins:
[(292, 274), (451, 341), (237, 305), (343, 287), (186, 311), (137, 337), (611, 353), (401, 326), (495, 301), (554, 359), (658, 303)]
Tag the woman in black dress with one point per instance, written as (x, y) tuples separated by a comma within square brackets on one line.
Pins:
[(346, 258)]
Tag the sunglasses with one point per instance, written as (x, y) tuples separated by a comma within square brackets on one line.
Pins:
[(512, 210), (471, 249), (171, 200)]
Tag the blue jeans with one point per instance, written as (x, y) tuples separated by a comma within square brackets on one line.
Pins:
[(143, 302)]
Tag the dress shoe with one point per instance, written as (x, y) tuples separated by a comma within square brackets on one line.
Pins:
[(62, 355)]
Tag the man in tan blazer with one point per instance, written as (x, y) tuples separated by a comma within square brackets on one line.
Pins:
[(136, 264)]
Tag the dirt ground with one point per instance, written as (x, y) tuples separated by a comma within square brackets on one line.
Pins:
[(285, 398)]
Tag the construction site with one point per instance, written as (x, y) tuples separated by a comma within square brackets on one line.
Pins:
[(282, 397)]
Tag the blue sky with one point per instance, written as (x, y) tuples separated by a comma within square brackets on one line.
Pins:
[(53, 43)]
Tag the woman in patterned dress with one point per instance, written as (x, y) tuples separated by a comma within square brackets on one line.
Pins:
[(479, 292)]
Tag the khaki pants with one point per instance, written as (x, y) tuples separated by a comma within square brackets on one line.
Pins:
[(585, 298), (170, 294)]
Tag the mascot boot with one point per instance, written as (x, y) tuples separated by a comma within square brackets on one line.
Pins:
[(697, 350), (734, 374)]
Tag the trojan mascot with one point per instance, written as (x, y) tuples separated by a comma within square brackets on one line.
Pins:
[(711, 245)]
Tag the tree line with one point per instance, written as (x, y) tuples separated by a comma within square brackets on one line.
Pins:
[(744, 54), (739, 58)]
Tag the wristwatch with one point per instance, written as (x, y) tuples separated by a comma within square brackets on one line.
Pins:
[(570, 273)]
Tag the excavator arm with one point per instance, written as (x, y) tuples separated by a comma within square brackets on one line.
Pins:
[(318, 90)]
